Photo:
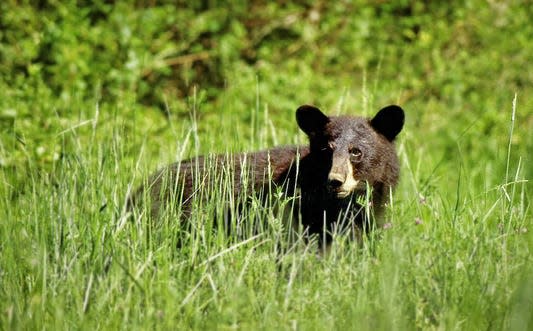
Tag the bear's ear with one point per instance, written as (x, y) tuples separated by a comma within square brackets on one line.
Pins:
[(388, 121), (311, 120)]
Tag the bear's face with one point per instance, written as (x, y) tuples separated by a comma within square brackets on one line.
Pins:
[(352, 151)]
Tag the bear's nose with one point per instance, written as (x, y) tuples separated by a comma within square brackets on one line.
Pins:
[(335, 181)]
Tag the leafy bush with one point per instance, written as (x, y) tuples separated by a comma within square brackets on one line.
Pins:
[(162, 49)]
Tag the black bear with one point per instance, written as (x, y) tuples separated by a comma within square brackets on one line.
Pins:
[(347, 172)]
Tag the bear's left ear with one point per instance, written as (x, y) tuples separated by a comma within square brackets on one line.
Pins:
[(311, 120), (389, 121)]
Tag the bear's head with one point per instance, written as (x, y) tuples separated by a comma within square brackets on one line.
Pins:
[(352, 152)]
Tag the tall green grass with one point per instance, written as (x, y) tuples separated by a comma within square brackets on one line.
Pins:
[(455, 253)]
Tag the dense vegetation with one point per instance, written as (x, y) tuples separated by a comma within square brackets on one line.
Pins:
[(94, 95)]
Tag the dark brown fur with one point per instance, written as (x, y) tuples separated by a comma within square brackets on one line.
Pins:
[(348, 159)]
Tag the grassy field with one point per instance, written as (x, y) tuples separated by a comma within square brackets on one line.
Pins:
[(456, 251)]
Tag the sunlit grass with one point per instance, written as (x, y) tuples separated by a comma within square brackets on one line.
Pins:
[(453, 254)]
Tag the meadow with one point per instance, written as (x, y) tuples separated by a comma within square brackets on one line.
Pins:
[(95, 97)]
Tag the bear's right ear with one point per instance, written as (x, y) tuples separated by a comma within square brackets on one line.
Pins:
[(311, 120)]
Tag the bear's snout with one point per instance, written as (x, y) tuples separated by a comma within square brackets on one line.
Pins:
[(341, 180), (335, 181)]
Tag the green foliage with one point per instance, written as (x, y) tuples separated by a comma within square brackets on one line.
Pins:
[(95, 95)]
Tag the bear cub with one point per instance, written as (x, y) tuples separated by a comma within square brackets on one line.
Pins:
[(345, 174)]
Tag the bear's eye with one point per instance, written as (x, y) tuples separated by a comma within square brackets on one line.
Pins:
[(328, 147), (355, 154)]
